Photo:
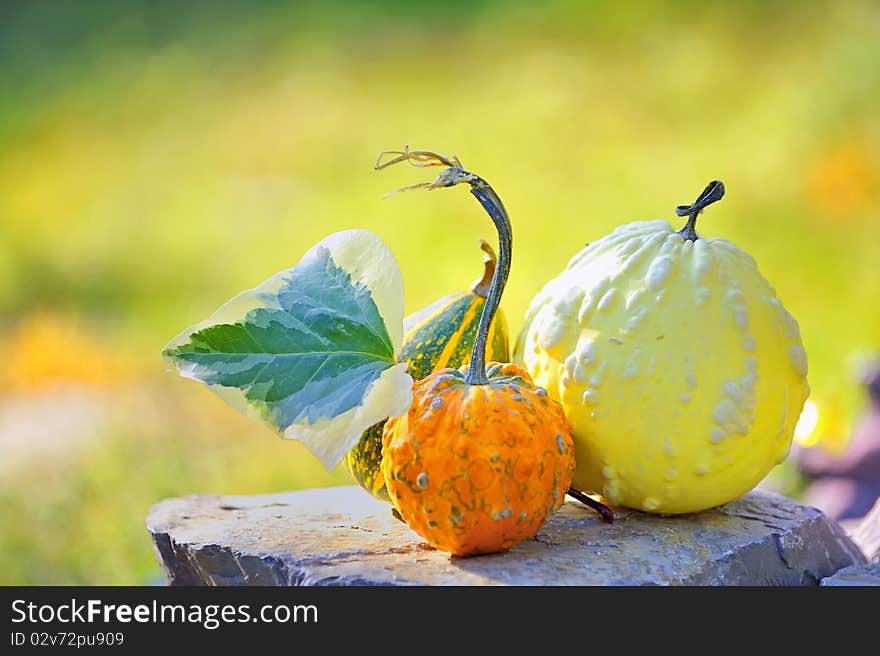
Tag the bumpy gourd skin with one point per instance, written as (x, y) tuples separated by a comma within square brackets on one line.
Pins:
[(681, 372), (478, 468)]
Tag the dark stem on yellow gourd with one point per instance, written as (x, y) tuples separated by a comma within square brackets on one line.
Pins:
[(490, 261), (713, 192), (490, 201)]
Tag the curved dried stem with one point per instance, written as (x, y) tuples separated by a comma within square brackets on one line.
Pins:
[(421, 159), (447, 178), (488, 251), (416, 158), (483, 284), (604, 511), (452, 175)]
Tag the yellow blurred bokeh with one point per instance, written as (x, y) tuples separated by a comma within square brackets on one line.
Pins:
[(45, 350)]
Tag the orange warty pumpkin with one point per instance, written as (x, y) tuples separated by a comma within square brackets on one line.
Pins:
[(482, 458), (478, 468)]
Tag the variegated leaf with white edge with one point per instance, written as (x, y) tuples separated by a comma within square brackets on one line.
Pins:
[(310, 351)]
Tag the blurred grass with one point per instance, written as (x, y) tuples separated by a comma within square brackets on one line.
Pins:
[(158, 157)]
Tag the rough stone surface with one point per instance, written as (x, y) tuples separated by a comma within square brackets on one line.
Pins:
[(866, 534), (855, 575), (341, 536)]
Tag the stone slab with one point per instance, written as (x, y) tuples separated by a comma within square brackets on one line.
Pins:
[(860, 575), (341, 536)]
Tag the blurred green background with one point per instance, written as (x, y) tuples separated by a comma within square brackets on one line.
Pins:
[(158, 157)]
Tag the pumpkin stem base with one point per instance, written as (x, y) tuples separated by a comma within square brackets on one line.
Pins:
[(713, 192), (601, 508)]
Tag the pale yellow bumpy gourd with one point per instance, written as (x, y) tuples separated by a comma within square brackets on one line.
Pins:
[(680, 370)]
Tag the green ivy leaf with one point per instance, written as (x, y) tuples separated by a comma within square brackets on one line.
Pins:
[(311, 351)]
